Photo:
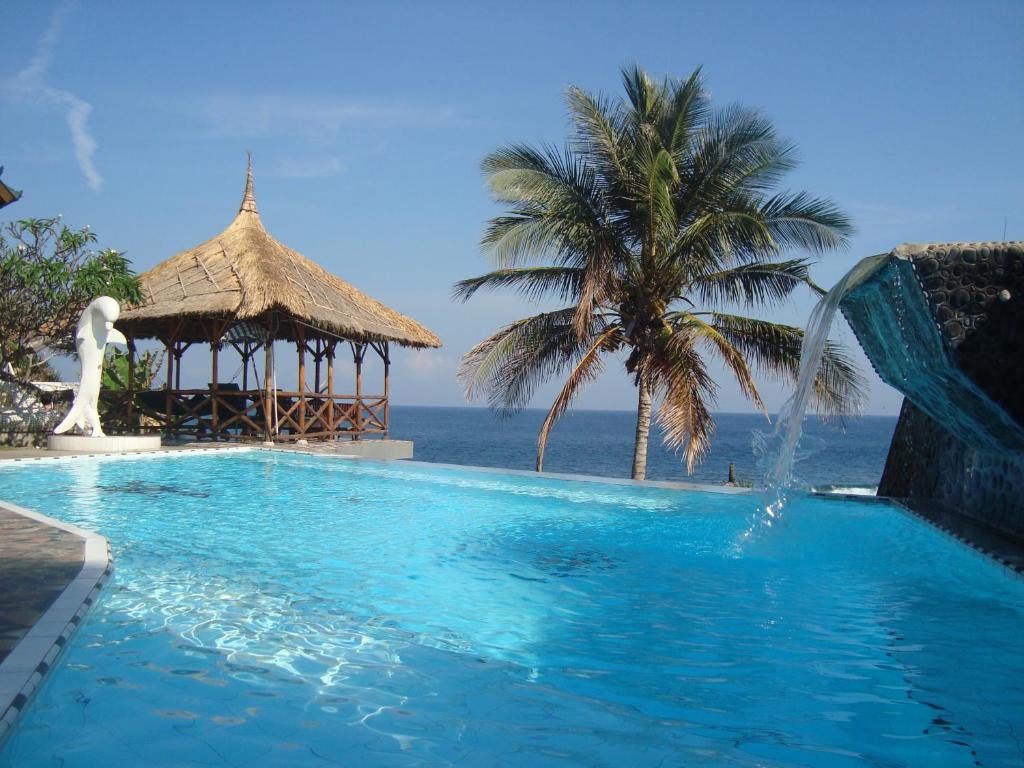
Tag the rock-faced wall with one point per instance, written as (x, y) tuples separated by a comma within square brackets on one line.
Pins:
[(927, 463), (976, 293), (944, 324)]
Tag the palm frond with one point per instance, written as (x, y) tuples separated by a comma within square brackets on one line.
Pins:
[(757, 283), (661, 178), (560, 213), (544, 176), (732, 357), (839, 388), (596, 285), (717, 238), (774, 349), (598, 132), (688, 110), (557, 202), (510, 364), (736, 151), (797, 220), (524, 235), (644, 95), (686, 390), (585, 371), (532, 282)]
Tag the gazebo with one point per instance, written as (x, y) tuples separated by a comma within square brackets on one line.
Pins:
[(245, 289)]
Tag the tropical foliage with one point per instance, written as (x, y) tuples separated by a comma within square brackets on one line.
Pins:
[(657, 228), (116, 370), (48, 273)]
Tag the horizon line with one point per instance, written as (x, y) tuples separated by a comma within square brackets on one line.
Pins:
[(629, 410)]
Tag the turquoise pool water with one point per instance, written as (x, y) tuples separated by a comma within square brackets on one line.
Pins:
[(277, 609)]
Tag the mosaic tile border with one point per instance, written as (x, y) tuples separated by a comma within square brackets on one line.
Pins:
[(156, 453), (1008, 556)]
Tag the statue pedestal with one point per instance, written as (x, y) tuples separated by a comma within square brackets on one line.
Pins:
[(109, 444)]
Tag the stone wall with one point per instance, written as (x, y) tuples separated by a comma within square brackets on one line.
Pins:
[(944, 324), (10, 438), (926, 463), (975, 293)]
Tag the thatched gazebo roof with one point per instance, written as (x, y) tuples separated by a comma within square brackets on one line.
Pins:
[(245, 274), (7, 195)]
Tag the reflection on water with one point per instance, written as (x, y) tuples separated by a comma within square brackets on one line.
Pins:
[(153, 490)]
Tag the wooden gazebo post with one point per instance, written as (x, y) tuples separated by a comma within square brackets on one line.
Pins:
[(318, 356), (214, 374), (131, 382), (331, 425), (386, 355), (246, 353), (169, 385), (358, 352), (268, 373), (300, 344), (381, 348)]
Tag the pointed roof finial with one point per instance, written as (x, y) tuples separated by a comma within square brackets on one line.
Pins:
[(249, 199)]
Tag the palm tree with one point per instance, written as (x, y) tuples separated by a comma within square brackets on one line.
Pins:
[(653, 224)]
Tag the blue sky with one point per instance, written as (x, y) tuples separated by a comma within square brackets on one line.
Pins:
[(367, 123)]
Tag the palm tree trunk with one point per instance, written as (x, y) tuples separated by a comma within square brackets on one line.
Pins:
[(643, 430)]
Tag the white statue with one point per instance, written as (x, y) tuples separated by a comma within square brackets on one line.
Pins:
[(95, 330)]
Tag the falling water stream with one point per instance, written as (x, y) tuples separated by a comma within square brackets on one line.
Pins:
[(779, 479)]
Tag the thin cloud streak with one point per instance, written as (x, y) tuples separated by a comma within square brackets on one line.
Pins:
[(427, 363), (29, 86), (291, 168), (238, 116)]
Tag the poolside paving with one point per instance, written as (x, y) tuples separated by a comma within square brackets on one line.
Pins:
[(37, 562), (22, 453)]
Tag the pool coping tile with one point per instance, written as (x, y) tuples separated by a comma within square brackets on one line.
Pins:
[(25, 667), (989, 544)]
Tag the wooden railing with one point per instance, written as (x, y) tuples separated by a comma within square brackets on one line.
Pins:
[(227, 414)]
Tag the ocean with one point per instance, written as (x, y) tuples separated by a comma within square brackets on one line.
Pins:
[(601, 443)]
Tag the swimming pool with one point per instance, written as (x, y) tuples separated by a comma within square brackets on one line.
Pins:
[(272, 608)]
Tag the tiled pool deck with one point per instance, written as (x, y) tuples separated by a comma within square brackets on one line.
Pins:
[(51, 572), (38, 561)]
